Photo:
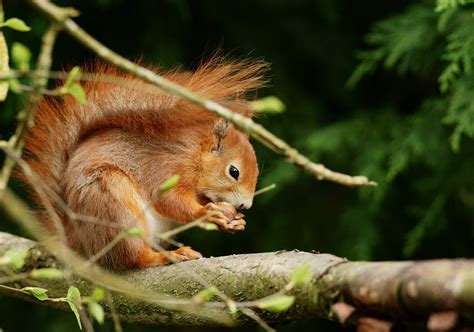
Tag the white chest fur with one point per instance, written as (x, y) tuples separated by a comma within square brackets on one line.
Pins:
[(157, 224)]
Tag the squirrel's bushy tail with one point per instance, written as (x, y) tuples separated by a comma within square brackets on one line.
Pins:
[(115, 99)]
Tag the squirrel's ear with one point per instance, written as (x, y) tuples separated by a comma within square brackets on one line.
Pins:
[(219, 132)]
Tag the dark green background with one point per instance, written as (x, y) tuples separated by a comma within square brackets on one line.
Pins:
[(389, 127)]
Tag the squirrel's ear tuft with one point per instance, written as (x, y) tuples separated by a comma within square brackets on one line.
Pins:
[(219, 132)]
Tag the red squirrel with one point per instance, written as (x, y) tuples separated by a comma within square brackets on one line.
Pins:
[(108, 158)]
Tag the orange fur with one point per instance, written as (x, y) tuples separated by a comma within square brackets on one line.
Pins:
[(108, 158)]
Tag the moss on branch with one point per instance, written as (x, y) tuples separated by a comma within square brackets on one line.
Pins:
[(397, 292)]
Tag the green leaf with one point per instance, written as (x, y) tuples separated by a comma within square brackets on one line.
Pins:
[(205, 295), (16, 24), (96, 311), (403, 42), (74, 295), (301, 275), (270, 104), (14, 259), (459, 50), (21, 56), (98, 294), (76, 90), (277, 304), (38, 292), (169, 184), (135, 232), (15, 85), (74, 301), (47, 273), (74, 75)]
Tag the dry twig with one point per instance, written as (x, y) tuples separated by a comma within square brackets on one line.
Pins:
[(61, 17)]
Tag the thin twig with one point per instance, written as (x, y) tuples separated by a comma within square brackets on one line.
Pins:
[(279, 146), (102, 252), (184, 227), (251, 314), (26, 115), (16, 277), (265, 189), (39, 188), (113, 312)]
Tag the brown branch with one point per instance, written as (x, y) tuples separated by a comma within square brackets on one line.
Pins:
[(61, 17), (385, 293)]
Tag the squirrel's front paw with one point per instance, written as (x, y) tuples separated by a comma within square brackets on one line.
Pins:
[(238, 224), (225, 217)]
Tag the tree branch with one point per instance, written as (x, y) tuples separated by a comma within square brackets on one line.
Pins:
[(395, 291), (61, 17)]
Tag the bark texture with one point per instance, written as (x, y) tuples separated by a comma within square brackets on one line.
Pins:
[(434, 294)]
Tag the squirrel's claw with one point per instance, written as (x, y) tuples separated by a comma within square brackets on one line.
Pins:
[(186, 253), (221, 222), (237, 225), (226, 226)]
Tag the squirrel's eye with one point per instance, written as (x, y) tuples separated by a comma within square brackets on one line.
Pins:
[(234, 172)]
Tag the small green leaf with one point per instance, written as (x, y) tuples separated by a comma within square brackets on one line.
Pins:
[(301, 275), (135, 232), (15, 85), (96, 311), (14, 259), (74, 295), (38, 292), (2, 17), (209, 226), (169, 184), (98, 294), (277, 304), (74, 301), (16, 24), (47, 273), (74, 75), (205, 295), (21, 56), (76, 90), (270, 104)]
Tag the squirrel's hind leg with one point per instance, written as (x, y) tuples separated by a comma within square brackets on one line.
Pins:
[(114, 198), (125, 190)]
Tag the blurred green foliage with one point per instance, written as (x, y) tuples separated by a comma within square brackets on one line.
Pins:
[(400, 111)]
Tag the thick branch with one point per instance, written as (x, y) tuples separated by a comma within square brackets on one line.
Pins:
[(395, 291)]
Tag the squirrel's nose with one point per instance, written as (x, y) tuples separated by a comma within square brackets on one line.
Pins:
[(245, 205)]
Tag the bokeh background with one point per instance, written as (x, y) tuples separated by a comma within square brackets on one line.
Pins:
[(361, 81)]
